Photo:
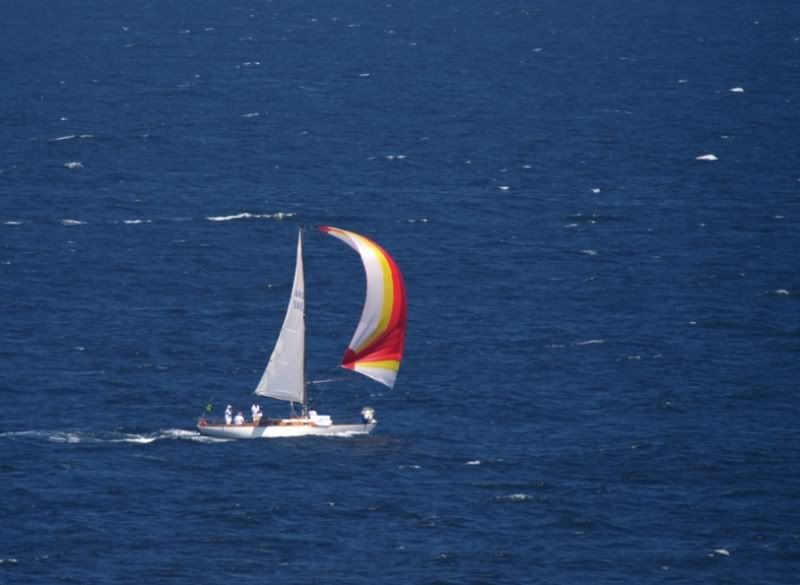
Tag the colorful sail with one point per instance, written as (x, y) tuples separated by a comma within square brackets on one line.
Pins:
[(377, 345), (284, 377)]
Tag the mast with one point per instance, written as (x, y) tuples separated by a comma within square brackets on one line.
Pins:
[(305, 338)]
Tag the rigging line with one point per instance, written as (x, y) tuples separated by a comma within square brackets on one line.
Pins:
[(313, 402)]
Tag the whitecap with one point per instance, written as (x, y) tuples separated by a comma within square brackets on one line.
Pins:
[(71, 222), (723, 552), (473, 462), (707, 157), (136, 221), (589, 252), (67, 137), (504, 187), (246, 215), (251, 115), (63, 437), (736, 90), (595, 189), (781, 291), (590, 342), (515, 498), (75, 164), (12, 561), (12, 223)]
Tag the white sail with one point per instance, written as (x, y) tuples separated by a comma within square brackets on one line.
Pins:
[(284, 377)]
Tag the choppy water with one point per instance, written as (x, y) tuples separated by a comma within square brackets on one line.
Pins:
[(596, 209)]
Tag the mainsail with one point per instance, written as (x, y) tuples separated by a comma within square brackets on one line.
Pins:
[(284, 377), (377, 345)]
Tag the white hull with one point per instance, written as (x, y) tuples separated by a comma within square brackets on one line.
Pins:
[(290, 428)]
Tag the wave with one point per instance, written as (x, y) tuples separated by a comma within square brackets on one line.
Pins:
[(246, 215)]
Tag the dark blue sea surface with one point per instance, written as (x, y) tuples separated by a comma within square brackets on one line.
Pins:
[(596, 207)]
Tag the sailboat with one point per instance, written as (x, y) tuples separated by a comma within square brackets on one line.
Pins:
[(375, 350)]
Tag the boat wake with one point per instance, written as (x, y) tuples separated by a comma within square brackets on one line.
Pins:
[(110, 436)]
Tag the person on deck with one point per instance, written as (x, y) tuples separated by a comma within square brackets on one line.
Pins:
[(255, 410), (228, 415), (239, 419)]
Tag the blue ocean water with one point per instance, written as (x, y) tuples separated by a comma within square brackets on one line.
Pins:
[(600, 383)]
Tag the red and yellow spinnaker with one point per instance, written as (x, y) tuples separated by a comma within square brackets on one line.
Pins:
[(377, 345)]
